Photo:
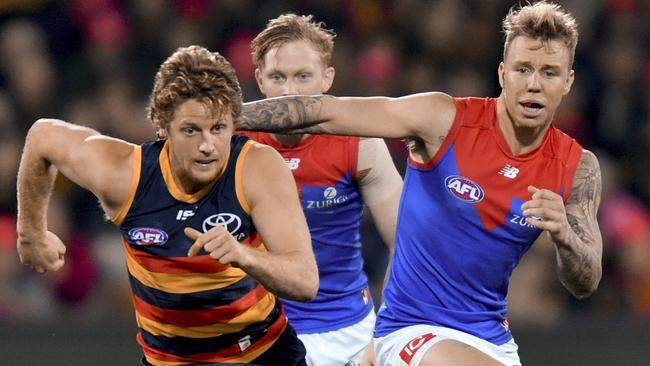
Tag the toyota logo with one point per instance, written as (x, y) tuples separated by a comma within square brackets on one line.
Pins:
[(228, 221)]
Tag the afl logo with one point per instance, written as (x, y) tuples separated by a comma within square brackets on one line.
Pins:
[(228, 221), (464, 189), (329, 193), (146, 236)]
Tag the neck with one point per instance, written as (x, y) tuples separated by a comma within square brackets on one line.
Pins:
[(520, 139), (289, 140)]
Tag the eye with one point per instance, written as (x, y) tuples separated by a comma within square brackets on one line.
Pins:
[(276, 77), (189, 131), (218, 128), (304, 76), (549, 73), (522, 70)]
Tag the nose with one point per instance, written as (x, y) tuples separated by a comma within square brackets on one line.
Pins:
[(290, 88), (533, 82), (206, 146)]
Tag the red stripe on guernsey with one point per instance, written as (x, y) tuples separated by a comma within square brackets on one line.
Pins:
[(224, 355), (195, 318), (196, 264)]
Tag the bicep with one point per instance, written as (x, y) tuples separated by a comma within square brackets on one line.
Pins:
[(271, 192), (584, 200), (95, 162), (422, 116)]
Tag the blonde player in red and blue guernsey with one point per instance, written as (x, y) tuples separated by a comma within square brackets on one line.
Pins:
[(485, 177), (336, 176)]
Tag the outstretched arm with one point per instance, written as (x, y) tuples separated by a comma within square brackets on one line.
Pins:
[(422, 116), (573, 227), (99, 164)]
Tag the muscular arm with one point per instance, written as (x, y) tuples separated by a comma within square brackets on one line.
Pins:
[(94, 162), (579, 253), (288, 269), (422, 117)]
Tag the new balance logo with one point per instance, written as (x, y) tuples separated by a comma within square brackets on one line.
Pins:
[(509, 171), (292, 163), (182, 215)]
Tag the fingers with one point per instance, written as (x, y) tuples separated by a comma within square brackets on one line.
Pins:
[(196, 236)]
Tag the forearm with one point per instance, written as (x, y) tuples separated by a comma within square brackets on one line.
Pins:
[(294, 114), (35, 182), (292, 276), (579, 266)]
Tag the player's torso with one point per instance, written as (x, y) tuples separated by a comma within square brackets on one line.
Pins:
[(193, 308), (461, 222)]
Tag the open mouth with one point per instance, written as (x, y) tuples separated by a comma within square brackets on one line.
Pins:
[(532, 105)]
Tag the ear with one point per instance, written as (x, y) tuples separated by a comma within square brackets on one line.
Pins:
[(258, 78), (328, 79), (501, 71), (569, 82)]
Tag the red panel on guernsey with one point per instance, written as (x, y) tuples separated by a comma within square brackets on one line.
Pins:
[(552, 165), (321, 151)]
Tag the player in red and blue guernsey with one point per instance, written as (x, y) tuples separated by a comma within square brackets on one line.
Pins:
[(336, 176), (485, 177)]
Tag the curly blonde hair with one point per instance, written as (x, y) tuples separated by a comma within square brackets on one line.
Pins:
[(193, 73)]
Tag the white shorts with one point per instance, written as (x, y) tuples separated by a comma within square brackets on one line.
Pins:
[(408, 345), (340, 347)]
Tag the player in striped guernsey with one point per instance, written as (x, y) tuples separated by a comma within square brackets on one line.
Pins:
[(210, 221), (485, 177), (336, 176)]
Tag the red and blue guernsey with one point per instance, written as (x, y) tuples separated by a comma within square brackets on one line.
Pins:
[(461, 231), (193, 309), (325, 168)]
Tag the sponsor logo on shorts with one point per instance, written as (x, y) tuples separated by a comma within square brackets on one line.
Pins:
[(464, 189), (407, 353), (146, 236)]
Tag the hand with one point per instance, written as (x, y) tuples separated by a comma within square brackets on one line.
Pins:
[(369, 355), (219, 244), (42, 256), (546, 211)]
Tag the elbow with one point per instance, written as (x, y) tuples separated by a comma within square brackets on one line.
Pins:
[(309, 285), (585, 290)]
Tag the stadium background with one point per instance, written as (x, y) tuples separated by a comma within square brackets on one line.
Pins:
[(92, 62)]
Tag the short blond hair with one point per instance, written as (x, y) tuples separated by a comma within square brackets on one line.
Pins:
[(291, 27), (542, 20)]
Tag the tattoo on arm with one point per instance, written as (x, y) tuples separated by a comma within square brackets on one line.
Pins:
[(579, 261), (295, 114)]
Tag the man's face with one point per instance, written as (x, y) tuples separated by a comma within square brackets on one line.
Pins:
[(293, 68), (534, 77), (199, 144)]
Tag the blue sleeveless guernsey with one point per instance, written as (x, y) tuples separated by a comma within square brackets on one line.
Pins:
[(324, 168), (461, 231), (193, 309)]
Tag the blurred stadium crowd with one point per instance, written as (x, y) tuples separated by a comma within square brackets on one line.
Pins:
[(92, 62)]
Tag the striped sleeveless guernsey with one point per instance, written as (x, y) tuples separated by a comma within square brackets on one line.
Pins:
[(193, 309), (461, 230)]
